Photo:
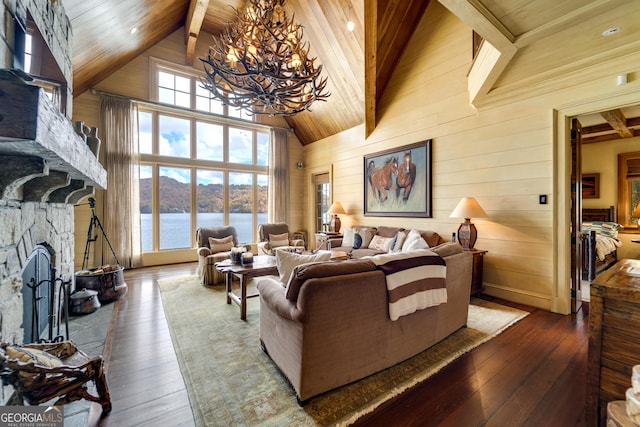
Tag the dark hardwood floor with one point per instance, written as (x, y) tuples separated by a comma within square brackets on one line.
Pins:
[(533, 374)]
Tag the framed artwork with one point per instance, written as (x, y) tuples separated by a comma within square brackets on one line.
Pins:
[(397, 182), (590, 185)]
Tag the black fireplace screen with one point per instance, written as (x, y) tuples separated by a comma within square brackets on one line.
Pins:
[(37, 295)]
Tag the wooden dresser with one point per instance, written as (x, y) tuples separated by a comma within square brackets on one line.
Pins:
[(614, 337)]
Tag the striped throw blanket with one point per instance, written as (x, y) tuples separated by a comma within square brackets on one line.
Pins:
[(415, 280)]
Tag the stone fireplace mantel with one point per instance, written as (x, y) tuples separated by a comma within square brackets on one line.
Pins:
[(44, 158)]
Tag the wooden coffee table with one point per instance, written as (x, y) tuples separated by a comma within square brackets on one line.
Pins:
[(263, 265)]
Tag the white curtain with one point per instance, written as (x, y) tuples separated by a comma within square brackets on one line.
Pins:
[(278, 176), (119, 123)]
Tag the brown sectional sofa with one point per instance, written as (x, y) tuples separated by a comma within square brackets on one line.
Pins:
[(331, 326)]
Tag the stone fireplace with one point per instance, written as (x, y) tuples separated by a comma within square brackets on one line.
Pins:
[(47, 167)]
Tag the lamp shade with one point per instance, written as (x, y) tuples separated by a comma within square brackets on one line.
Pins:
[(636, 211), (468, 207), (336, 208)]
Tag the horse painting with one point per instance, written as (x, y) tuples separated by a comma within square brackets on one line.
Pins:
[(381, 179), (406, 176)]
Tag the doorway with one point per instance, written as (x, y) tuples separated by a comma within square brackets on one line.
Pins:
[(596, 141)]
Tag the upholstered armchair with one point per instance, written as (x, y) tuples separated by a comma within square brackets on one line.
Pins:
[(276, 236), (214, 245)]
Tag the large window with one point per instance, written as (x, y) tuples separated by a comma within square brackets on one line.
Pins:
[(198, 168)]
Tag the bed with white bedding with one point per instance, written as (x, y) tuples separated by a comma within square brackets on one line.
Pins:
[(599, 234)]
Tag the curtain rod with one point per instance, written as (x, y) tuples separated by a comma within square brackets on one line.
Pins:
[(225, 119)]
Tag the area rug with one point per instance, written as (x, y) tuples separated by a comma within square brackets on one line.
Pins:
[(230, 381)]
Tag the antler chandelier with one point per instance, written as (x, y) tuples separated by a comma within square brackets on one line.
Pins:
[(260, 63)]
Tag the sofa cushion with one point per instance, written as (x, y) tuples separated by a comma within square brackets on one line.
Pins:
[(286, 261), (363, 252), (387, 231), (431, 237), (448, 248), (324, 269), (220, 245)]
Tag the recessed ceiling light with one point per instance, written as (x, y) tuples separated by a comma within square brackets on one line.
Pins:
[(611, 31), (133, 30), (350, 25)]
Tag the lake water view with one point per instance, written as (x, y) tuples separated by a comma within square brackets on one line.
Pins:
[(175, 228)]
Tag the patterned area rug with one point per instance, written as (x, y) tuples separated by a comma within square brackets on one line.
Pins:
[(230, 380)]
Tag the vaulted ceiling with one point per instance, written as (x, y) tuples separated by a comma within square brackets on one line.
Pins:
[(539, 41)]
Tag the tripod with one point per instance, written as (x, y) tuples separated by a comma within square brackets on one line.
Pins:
[(95, 221)]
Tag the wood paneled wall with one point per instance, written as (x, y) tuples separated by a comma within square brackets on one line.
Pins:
[(502, 154)]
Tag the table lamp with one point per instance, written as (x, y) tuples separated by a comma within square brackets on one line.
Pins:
[(335, 210), (468, 208)]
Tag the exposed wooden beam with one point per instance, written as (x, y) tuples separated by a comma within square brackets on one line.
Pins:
[(618, 122), (494, 55), (482, 21), (605, 131), (605, 137), (193, 24)]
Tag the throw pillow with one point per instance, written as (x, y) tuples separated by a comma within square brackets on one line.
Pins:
[(418, 243), (357, 241), (381, 243), (32, 355), (287, 261), (411, 236), (220, 245), (367, 235), (400, 238), (393, 243), (277, 240), (347, 237)]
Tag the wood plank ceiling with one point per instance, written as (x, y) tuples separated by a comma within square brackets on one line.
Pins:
[(359, 63)]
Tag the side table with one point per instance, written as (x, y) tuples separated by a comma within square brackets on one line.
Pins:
[(478, 267), (322, 238)]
